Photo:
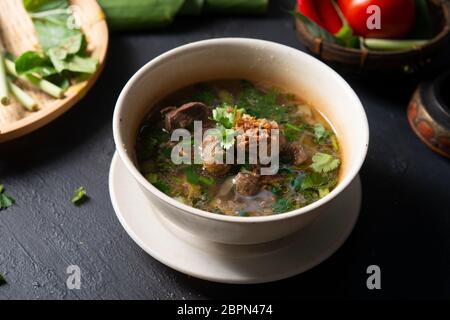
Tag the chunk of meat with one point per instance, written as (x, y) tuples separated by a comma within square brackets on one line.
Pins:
[(294, 153), (185, 115), (247, 184), (211, 152)]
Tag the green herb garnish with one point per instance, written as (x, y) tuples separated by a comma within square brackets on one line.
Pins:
[(321, 135), (6, 201), (226, 115), (291, 132), (2, 280), (262, 105), (323, 162), (283, 205), (79, 196)]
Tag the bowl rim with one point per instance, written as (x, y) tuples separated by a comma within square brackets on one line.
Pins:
[(121, 149)]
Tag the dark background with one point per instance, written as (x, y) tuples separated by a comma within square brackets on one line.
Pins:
[(404, 223)]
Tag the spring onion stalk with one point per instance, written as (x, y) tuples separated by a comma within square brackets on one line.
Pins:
[(4, 99), (23, 97), (393, 45), (42, 84)]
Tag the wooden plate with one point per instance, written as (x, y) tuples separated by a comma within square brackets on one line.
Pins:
[(18, 35)]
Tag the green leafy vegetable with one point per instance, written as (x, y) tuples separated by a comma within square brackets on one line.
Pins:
[(42, 84), (283, 205), (2, 280), (162, 186), (6, 201), (243, 214), (323, 162), (226, 136), (262, 105), (79, 196), (205, 94), (32, 62), (151, 177), (321, 135), (62, 42), (291, 132), (317, 181), (194, 178), (226, 115)]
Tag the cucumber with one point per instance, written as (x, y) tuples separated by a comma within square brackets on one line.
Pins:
[(140, 14)]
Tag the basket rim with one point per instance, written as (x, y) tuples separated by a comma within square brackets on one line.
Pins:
[(441, 36)]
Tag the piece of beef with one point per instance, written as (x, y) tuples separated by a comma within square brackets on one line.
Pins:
[(185, 115), (210, 152), (247, 184), (294, 153)]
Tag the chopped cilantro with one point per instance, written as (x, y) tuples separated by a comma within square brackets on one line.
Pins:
[(283, 205), (323, 162), (205, 94), (2, 279), (79, 196), (291, 132), (162, 186), (209, 181), (226, 136), (226, 115), (262, 105), (191, 176), (194, 178), (151, 177), (243, 213), (316, 181), (321, 134), (6, 201)]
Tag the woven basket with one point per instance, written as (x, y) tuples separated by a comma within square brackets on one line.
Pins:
[(364, 61)]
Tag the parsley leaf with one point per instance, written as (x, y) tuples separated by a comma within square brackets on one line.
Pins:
[(323, 162), (321, 134), (318, 183), (226, 115), (5, 200), (79, 196)]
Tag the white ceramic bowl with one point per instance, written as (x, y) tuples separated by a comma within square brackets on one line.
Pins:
[(239, 58)]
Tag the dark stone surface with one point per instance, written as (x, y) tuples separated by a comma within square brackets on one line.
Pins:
[(403, 228)]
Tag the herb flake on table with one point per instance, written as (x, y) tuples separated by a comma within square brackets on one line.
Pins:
[(2, 280), (79, 196), (6, 201)]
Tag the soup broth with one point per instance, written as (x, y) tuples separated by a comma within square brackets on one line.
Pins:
[(309, 157)]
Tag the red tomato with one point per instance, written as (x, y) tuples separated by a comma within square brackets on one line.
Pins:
[(397, 17)]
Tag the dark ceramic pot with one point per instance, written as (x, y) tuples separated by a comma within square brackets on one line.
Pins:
[(429, 113)]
